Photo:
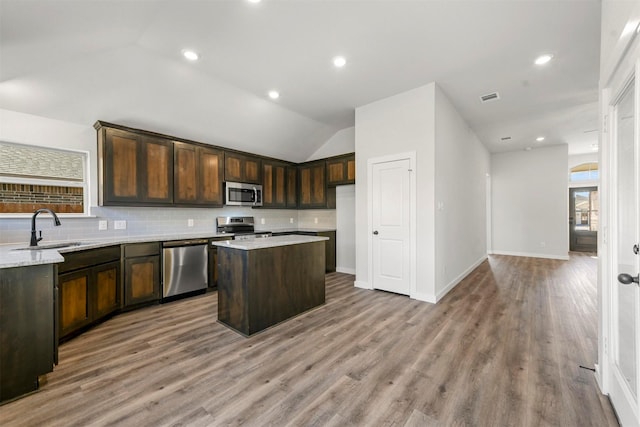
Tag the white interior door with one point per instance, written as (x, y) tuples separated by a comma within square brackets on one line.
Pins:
[(625, 293), (391, 230)]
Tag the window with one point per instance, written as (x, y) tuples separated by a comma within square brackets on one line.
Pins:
[(585, 172), (33, 177), (587, 207)]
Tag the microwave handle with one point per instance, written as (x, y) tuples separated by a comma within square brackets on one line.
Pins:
[(255, 195)]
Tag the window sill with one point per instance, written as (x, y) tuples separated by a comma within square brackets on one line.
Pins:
[(29, 215)]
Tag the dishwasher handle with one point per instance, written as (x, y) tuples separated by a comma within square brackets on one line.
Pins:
[(180, 243)]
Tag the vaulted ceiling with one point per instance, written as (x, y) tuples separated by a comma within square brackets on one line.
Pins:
[(121, 61)]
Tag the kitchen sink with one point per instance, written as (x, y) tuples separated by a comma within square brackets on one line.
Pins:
[(50, 246)]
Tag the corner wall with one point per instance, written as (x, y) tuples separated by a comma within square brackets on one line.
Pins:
[(399, 124), (28, 129), (342, 142), (35, 130), (530, 203), (461, 168)]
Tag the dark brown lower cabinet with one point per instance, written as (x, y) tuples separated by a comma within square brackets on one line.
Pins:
[(213, 261), (141, 273), (89, 288), (262, 287), (330, 246), (28, 347)]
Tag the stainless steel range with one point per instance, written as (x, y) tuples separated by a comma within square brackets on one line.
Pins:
[(242, 227)]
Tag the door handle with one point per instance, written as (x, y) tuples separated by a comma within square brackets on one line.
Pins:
[(628, 279), (375, 233), (636, 249)]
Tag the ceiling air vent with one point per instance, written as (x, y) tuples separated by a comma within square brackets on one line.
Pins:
[(490, 97), (505, 138)]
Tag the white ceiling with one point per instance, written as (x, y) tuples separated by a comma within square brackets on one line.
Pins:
[(120, 61)]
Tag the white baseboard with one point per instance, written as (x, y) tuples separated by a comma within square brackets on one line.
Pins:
[(459, 278), (531, 255), (424, 297), (362, 285), (598, 375), (346, 270)]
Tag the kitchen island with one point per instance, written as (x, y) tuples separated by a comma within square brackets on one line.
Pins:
[(263, 282)]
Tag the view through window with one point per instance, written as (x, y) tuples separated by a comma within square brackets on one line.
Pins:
[(33, 177)]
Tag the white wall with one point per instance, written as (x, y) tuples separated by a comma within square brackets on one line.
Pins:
[(401, 123), (461, 166), (343, 142), (346, 229), (530, 203), (34, 130), (615, 14), (451, 168)]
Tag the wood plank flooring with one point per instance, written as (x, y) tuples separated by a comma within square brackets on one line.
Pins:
[(502, 349)]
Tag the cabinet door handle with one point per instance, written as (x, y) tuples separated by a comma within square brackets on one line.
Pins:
[(375, 233)]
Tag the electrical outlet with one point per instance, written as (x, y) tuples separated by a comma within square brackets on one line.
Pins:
[(102, 224), (315, 220), (543, 244), (290, 220), (262, 221), (190, 222), (120, 225)]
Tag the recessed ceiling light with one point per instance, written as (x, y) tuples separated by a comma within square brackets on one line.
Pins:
[(190, 55), (273, 94), (339, 61), (543, 59), (540, 138), (254, 1), (527, 148)]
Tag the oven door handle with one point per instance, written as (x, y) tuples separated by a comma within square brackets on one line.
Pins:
[(174, 244)]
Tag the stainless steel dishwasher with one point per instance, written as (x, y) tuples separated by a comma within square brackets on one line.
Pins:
[(184, 267)]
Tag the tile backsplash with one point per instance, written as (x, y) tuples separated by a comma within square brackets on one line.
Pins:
[(152, 221)]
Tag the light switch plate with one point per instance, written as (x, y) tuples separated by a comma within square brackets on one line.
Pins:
[(190, 222), (120, 225), (102, 224), (262, 221), (290, 220)]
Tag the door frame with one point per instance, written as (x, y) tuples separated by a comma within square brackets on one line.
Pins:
[(623, 66), (411, 156)]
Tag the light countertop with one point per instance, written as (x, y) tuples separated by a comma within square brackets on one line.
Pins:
[(269, 242), (10, 257)]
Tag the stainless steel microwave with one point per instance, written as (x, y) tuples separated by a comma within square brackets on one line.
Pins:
[(240, 194)]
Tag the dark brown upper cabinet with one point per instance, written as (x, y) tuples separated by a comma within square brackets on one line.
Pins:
[(134, 169), (242, 168), (292, 187), (197, 175), (142, 168), (274, 184), (341, 170), (312, 185)]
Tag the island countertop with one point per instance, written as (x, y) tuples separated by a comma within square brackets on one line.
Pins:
[(268, 242)]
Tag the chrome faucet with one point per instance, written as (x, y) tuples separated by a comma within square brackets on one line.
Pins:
[(34, 239)]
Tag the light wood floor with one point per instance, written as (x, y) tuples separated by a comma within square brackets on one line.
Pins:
[(502, 349)]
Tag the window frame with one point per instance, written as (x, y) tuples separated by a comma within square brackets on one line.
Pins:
[(26, 180)]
